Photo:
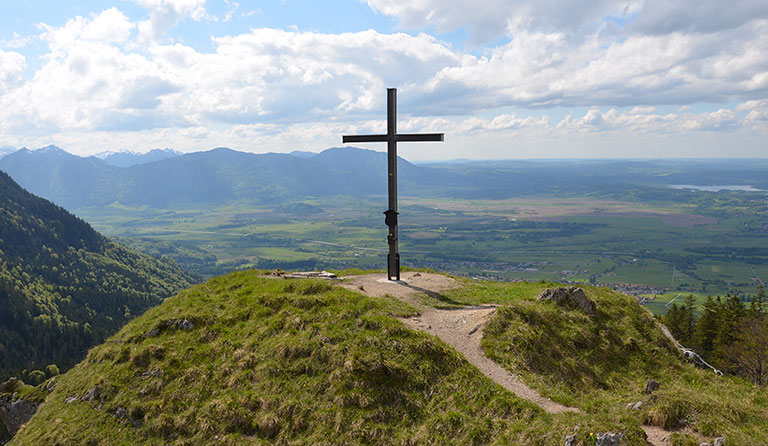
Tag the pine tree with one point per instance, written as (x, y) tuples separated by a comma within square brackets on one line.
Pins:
[(673, 321), (729, 318), (756, 306), (688, 321), (706, 327)]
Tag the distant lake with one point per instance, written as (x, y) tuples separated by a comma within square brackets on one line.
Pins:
[(716, 188)]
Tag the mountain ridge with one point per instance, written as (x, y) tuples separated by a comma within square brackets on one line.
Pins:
[(130, 158), (220, 175), (64, 286)]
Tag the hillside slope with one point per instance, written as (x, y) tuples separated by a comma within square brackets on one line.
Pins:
[(63, 286), (248, 359), (243, 359)]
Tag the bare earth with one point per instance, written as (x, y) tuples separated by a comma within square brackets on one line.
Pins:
[(462, 329)]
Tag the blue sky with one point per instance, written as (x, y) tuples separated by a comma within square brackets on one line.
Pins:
[(523, 79)]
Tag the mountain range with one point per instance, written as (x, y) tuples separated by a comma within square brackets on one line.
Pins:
[(213, 177), (223, 176), (7, 150), (130, 158)]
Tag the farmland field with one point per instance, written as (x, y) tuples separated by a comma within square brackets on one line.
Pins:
[(656, 249)]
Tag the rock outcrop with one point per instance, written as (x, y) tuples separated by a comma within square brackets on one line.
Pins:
[(651, 386), (570, 297), (14, 413)]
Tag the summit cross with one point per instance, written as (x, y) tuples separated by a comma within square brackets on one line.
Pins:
[(392, 138)]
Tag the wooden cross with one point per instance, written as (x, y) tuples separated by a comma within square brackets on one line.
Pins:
[(392, 138)]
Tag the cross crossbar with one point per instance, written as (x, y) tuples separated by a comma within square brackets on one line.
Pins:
[(400, 137), (392, 138)]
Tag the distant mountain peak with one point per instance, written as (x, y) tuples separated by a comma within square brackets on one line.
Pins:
[(50, 149), (128, 158), (302, 154), (7, 150)]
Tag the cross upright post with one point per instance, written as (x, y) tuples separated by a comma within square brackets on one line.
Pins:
[(391, 138)]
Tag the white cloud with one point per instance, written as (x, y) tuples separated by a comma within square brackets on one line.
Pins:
[(547, 69), (757, 113), (12, 66), (165, 14), (16, 42), (272, 88), (106, 27), (696, 16), (491, 19), (89, 81), (643, 120)]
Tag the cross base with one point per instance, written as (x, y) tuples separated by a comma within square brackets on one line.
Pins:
[(393, 267)]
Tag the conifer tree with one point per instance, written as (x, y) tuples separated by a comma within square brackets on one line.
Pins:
[(706, 327)]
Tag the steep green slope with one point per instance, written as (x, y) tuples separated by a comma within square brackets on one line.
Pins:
[(247, 359), (601, 363), (63, 286), (269, 360), (244, 359)]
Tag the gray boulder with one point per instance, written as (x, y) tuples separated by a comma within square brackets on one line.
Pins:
[(651, 386), (570, 297), (91, 395), (609, 438), (15, 413)]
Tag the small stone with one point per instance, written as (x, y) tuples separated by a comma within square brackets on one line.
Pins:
[(121, 413), (92, 394), (570, 440), (185, 324), (651, 386), (634, 406), (153, 332), (71, 399), (608, 438)]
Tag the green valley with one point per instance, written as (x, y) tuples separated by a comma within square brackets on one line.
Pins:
[(720, 242)]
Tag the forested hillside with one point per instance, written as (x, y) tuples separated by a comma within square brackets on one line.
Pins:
[(730, 334), (63, 286)]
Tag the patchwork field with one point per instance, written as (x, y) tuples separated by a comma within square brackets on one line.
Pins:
[(656, 250)]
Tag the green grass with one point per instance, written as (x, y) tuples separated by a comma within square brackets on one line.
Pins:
[(601, 363), (273, 361)]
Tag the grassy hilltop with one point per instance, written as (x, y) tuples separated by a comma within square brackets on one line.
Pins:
[(247, 359)]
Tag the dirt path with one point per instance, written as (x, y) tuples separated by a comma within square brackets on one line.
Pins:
[(462, 329)]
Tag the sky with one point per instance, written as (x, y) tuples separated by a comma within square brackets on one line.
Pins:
[(502, 79)]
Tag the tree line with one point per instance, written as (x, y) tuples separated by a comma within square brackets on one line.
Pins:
[(727, 332)]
